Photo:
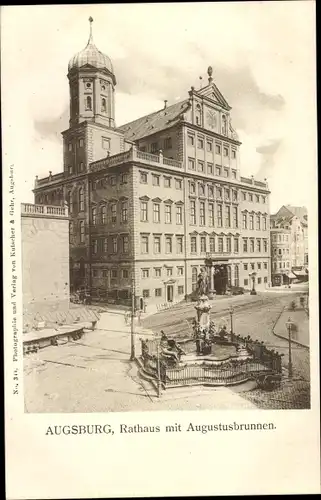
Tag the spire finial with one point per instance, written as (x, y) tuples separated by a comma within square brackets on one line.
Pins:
[(90, 30), (210, 72)]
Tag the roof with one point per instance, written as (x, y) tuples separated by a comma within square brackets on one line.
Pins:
[(154, 122), (291, 211)]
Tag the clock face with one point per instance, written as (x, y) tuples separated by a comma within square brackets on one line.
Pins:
[(211, 119)]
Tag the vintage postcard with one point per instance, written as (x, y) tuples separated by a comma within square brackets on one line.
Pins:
[(160, 249)]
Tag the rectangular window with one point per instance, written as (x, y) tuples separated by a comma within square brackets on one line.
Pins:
[(233, 174), (95, 273), (235, 218), (156, 212), (220, 245), (124, 211), (70, 146), (146, 294), (82, 231), (167, 182), (219, 216), (251, 222), (265, 246), (192, 188), (179, 214), (227, 216), (114, 273), (219, 192), (259, 281), (190, 140), (245, 267), (201, 190), (236, 245), (168, 214), (202, 213), (212, 244), (81, 166), (265, 265), (225, 151), (209, 146), (218, 149), (158, 292), (257, 198), (228, 245), (105, 273), (211, 214), (157, 244), (227, 194), (252, 245), (233, 152), (113, 210), (244, 196), (105, 143), (143, 178), (252, 266), (125, 244), (200, 143), (158, 272), (155, 180), (179, 244), (178, 183), (265, 279), (114, 244), (210, 191), (193, 244), (258, 245), (180, 290), (105, 245), (95, 246), (125, 273), (258, 222), (168, 143), (192, 212), (250, 197), (145, 273), (144, 244), (143, 211), (191, 164), (210, 168), (234, 196), (225, 172), (113, 180), (200, 166), (246, 282), (245, 245), (168, 244), (218, 171), (154, 147), (259, 266), (180, 271), (203, 244), (70, 169), (169, 271)]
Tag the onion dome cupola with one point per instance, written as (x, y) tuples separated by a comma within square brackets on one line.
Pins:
[(92, 85)]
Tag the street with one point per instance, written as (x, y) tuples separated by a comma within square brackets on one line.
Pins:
[(94, 374)]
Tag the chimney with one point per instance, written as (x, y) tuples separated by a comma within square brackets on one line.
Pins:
[(165, 103)]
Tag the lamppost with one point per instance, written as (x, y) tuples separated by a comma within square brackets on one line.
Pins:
[(253, 291), (132, 329), (231, 311), (289, 325)]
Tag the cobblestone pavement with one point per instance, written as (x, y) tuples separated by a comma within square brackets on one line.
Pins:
[(94, 374)]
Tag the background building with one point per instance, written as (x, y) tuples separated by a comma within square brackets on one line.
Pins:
[(45, 257), (156, 200), (289, 244)]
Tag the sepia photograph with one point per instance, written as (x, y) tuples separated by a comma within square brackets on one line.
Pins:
[(164, 223)]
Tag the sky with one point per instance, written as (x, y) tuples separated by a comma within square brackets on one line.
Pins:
[(263, 59)]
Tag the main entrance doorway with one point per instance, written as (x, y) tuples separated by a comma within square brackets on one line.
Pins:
[(220, 279), (170, 293)]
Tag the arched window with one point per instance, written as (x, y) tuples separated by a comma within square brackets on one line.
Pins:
[(194, 278), (224, 125), (81, 200), (103, 214), (236, 275), (69, 201), (103, 105), (88, 103), (94, 216), (198, 115)]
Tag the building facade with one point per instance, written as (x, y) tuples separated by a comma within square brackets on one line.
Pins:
[(289, 243), (153, 202), (45, 257)]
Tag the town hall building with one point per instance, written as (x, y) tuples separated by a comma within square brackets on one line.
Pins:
[(154, 201)]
